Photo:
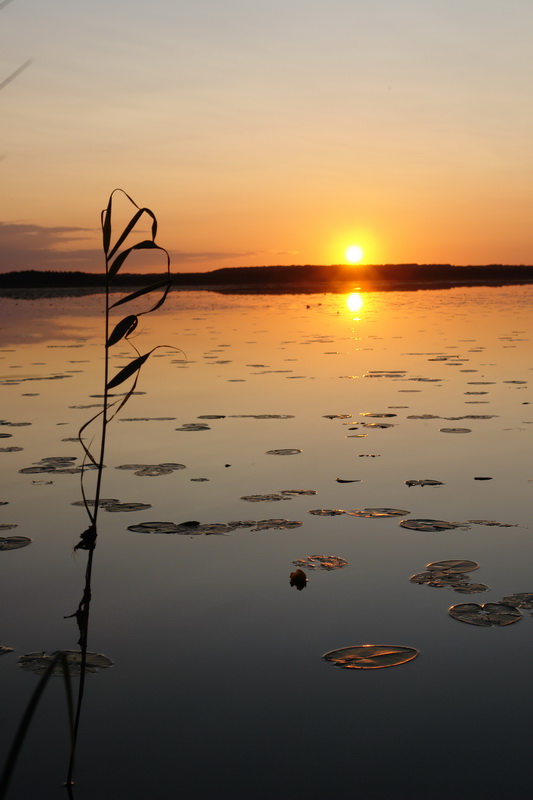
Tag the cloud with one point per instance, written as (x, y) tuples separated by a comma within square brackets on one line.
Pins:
[(26, 246)]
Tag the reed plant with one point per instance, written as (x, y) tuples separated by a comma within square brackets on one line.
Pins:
[(117, 248)]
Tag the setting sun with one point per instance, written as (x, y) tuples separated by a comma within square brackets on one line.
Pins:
[(354, 254)]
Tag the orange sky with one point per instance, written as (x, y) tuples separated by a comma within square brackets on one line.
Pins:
[(269, 132)]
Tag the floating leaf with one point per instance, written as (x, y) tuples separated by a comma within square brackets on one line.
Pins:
[(276, 524), (428, 524), (283, 452), (8, 526), (298, 579), (5, 649), (455, 430), (152, 470), (321, 562), (337, 416), (299, 491), (371, 414), (482, 478), (13, 542), (371, 656), (377, 512), (327, 512), (39, 662), (194, 426), (263, 498), (424, 482), (520, 600), (485, 615), (471, 588), (345, 480)]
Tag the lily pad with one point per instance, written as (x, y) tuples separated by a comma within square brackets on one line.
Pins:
[(5, 649), (263, 498), (486, 615), (453, 565), (10, 449), (428, 524), (377, 512), (346, 480), (424, 482), (194, 426), (371, 656), (8, 526), (372, 414), (299, 491), (276, 524), (456, 430), (520, 600), (39, 662), (337, 416), (471, 588), (14, 542), (283, 452), (152, 470), (321, 562), (327, 512)]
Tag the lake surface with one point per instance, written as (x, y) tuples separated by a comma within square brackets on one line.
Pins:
[(219, 688)]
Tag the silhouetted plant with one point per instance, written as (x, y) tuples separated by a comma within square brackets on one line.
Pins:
[(116, 254)]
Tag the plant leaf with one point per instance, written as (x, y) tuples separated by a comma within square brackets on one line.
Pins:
[(145, 290), (130, 226), (371, 656), (122, 328), (146, 244), (128, 370)]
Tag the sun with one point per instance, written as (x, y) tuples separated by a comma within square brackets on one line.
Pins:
[(354, 254)]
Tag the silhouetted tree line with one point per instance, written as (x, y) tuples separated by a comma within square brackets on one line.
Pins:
[(289, 277)]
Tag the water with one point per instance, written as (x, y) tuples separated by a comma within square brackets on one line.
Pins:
[(218, 687)]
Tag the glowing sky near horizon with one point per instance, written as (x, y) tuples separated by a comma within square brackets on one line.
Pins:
[(269, 131)]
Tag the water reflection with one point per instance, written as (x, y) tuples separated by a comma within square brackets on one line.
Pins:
[(355, 302)]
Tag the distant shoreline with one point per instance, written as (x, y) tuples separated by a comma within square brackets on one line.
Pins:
[(274, 279)]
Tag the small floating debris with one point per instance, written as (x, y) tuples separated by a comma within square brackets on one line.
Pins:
[(487, 615), (368, 455), (424, 482), (152, 470), (456, 430), (321, 562), (39, 662), (298, 578), (348, 480), (283, 452), (377, 512), (428, 524), (371, 656), (13, 542), (199, 480)]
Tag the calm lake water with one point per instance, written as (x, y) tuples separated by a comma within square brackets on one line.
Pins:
[(219, 688)]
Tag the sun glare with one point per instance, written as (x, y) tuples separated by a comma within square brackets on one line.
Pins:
[(354, 301), (354, 254)]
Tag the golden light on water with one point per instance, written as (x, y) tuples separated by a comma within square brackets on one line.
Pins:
[(354, 254), (354, 301)]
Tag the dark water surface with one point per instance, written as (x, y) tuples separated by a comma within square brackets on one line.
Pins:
[(219, 688)]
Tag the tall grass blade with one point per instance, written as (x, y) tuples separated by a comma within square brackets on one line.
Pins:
[(123, 329), (146, 244), (140, 292)]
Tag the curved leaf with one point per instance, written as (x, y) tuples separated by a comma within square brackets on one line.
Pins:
[(146, 244), (128, 371), (122, 328), (145, 290)]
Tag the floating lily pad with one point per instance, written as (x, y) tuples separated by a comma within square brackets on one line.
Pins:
[(276, 524), (455, 430), (10, 449), (263, 498), (283, 452), (520, 600), (453, 565), (321, 562), (371, 656), (491, 523), (13, 542), (5, 649), (39, 662), (377, 425), (424, 482), (152, 470), (327, 512), (298, 491), (8, 526), (194, 426), (486, 615), (211, 416), (372, 414), (482, 478), (377, 512), (298, 578), (337, 416), (428, 524), (471, 588), (346, 480)]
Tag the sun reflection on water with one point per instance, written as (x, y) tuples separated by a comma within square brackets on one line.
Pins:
[(354, 302)]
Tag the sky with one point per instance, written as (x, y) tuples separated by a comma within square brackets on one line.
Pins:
[(268, 131)]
